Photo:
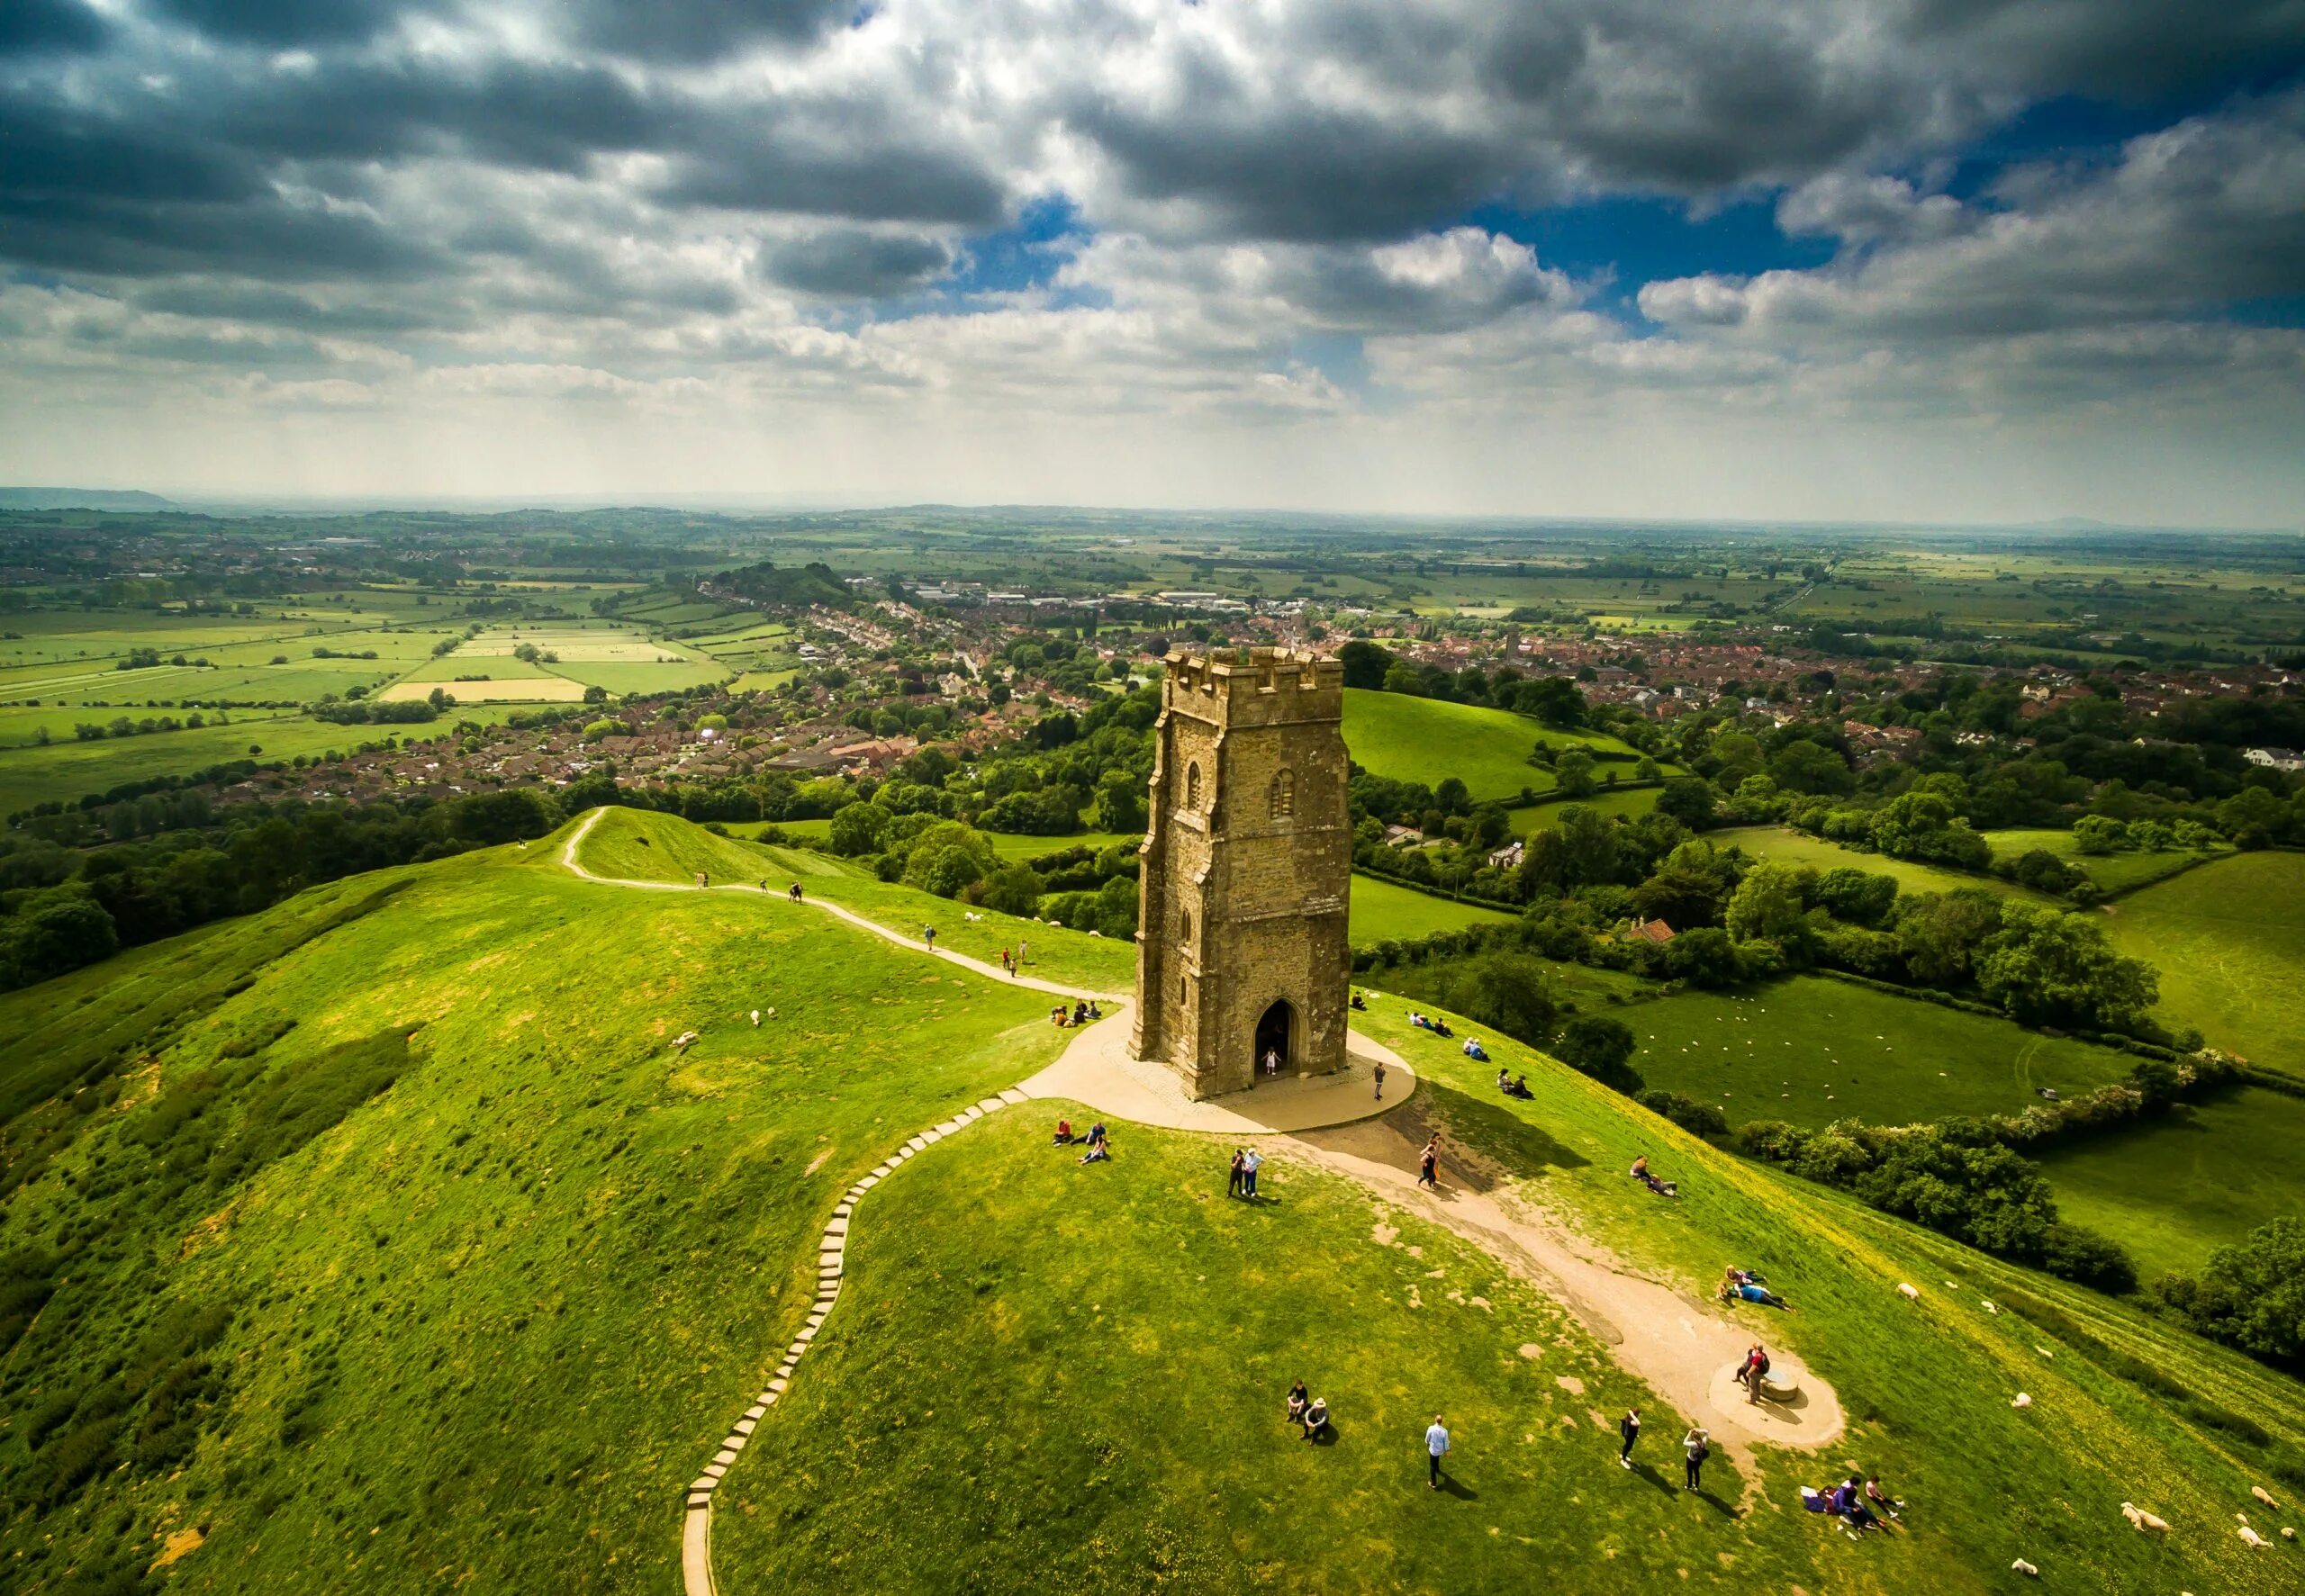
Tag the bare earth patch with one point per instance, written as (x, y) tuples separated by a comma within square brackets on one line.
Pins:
[(1686, 1351)]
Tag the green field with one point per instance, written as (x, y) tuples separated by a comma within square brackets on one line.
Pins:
[(483, 1301), (1798, 848), (2174, 1190), (2228, 939), (1631, 804), (1811, 1050), (68, 771), (1410, 739), (2112, 872), (1383, 912)]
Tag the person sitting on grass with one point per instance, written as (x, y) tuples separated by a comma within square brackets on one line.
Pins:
[(1359, 1001), (1100, 1151), (1095, 1012), (1505, 1081), (1057, 1016), (1298, 1403), (1079, 1013), (1745, 1291), (1520, 1087), (1316, 1418), (1475, 1051), (1663, 1188), (1878, 1500), (1441, 1028), (1063, 1134)]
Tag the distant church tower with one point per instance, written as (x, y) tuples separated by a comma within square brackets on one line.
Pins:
[(1240, 950)]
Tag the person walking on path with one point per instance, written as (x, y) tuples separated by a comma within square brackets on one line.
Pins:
[(1436, 1448), (929, 935), (1628, 1428), (1695, 1446), (1380, 1080), (1251, 1161), (795, 894), (1428, 1163), (1007, 968), (1233, 1185)]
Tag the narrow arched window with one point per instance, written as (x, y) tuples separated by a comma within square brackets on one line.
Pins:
[(1185, 934), (1282, 796), (1192, 786)]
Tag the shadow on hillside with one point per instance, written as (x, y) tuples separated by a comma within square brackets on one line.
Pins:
[(1483, 1146)]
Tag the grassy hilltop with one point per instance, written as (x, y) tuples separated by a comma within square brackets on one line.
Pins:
[(384, 1241)]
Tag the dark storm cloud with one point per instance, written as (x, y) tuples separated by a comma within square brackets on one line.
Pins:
[(279, 307), (282, 24), (694, 30), (850, 263), (823, 161), (50, 27), (2126, 49)]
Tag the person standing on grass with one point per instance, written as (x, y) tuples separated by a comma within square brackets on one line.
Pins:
[(1380, 1080), (1233, 1185), (1695, 1447), (1428, 1163), (1628, 1428), (1251, 1161), (1021, 946), (1436, 1448)]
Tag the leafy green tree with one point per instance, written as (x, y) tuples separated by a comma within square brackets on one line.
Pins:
[(2252, 1295), (2047, 967), (1689, 800), (1803, 766), (1404, 677), (1013, 889), (1588, 846), (1120, 801), (1768, 906), (1705, 957), (1938, 932), (859, 829), (1508, 991), (1572, 772), (1861, 897), (1553, 699), (1602, 1048), (2098, 834), (59, 929), (1365, 664), (1689, 888)]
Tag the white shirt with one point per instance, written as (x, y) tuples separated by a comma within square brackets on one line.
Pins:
[(1437, 1440), (1251, 1161)]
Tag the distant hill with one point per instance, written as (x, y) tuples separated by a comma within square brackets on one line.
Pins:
[(798, 586), (81, 499)]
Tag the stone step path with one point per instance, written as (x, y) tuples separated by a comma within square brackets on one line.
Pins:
[(832, 1263)]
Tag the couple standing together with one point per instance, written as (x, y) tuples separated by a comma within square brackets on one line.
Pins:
[(1246, 1162)]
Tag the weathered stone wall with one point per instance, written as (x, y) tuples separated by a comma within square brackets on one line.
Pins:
[(1247, 869)]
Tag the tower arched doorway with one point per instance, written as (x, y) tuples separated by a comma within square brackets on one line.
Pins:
[(1275, 1033)]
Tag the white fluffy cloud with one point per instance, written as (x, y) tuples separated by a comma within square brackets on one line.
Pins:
[(779, 246)]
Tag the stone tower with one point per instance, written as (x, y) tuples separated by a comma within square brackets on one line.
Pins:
[(1240, 950)]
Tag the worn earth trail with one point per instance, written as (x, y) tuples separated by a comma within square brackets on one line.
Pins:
[(1679, 1346)]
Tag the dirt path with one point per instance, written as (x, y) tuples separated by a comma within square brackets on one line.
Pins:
[(1685, 1349), (1031, 983)]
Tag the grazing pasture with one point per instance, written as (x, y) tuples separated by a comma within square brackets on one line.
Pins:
[(2228, 939), (1810, 1049), (1798, 848), (2112, 872), (1383, 912), (2177, 1188), (1406, 738)]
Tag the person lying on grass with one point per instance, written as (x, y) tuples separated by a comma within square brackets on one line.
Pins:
[(1663, 1188), (1745, 1291)]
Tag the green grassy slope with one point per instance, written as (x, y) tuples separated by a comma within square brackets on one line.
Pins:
[(2228, 939), (1428, 740), (1099, 1407), (1810, 1050), (1793, 847), (1383, 912), (475, 1327), (1629, 802), (488, 1298)]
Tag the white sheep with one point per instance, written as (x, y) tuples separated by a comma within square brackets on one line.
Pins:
[(2025, 1568), (2261, 1494), (1912, 1294), (2143, 1520), (2021, 1401), (2252, 1539)]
